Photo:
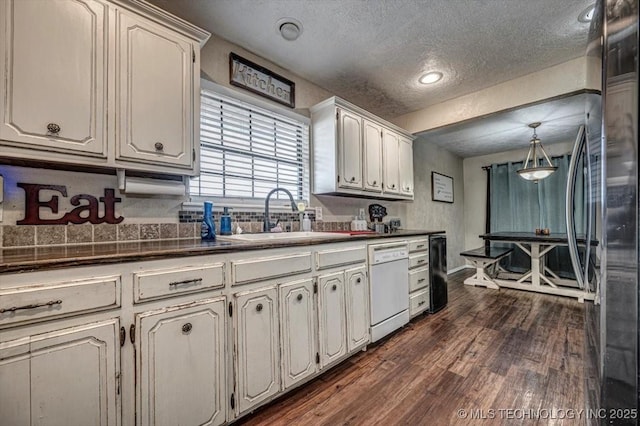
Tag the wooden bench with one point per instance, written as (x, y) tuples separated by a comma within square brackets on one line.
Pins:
[(482, 258)]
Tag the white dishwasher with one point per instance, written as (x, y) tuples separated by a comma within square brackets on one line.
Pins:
[(389, 280)]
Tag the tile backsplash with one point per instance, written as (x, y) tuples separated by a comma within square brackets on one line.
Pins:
[(14, 236)]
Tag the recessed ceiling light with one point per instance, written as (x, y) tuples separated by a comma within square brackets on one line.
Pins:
[(289, 28), (430, 77), (587, 14)]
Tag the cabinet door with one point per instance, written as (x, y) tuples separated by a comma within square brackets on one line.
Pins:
[(257, 341), (332, 320), (155, 87), (406, 166), (350, 148), (372, 146), (357, 307), (390, 141), (66, 377), (297, 331), (181, 365), (53, 67)]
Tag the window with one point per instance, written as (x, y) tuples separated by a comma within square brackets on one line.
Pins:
[(246, 151)]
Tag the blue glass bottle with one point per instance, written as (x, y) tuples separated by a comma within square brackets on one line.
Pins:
[(208, 228)]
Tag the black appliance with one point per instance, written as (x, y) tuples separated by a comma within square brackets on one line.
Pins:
[(438, 272)]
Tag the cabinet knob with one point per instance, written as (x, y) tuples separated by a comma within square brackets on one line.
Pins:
[(353, 179), (393, 186), (53, 128), (375, 182), (159, 146), (259, 307), (334, 287), (186, 329), (359, 280), (299, 297)]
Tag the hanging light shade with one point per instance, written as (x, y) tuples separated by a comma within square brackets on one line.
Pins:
[(533, 170)]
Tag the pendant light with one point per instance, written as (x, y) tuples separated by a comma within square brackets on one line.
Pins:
[(536, 171)]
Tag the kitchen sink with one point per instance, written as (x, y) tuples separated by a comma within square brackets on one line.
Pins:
[(281, 236)]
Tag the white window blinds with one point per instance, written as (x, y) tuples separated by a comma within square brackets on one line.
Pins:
[(246, 151)]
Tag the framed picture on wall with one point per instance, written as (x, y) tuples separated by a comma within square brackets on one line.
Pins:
[(441, 188)]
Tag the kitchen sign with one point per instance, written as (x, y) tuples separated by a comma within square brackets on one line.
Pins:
[(259, 80), (87, 207), (441, 188)]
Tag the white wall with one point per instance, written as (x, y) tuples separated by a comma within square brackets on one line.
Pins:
[(424, 213), (475, 188)]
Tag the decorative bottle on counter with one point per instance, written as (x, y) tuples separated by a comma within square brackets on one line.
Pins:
[(208, 228), (225, 222)]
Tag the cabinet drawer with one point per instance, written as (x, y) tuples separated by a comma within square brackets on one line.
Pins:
[(337, 257), (51, 300), (418, 278), (418, 245), (419, 302), (250, 270), (421, 259), (149, 285)]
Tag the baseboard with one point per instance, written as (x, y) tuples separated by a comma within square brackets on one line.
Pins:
[(459, 268)]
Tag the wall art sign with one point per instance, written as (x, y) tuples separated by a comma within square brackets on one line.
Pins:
[(87, 207), (257, 79), (441, 188)]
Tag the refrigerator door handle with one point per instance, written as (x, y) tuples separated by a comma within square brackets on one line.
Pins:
[(589, 235), (569, 207)]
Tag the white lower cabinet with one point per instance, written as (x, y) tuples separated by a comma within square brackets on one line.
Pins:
[(257, 344), (180, 365), (332, 318), (62, 377), (297, 331), (357, 297)]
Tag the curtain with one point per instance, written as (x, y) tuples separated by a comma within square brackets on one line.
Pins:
[(519, 205)]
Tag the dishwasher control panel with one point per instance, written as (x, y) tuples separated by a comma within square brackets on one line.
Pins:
[(389, 254)]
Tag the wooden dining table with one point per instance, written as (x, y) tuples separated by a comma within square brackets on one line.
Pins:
[(539, 278)]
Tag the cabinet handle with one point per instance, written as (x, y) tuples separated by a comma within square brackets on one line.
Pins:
[(299, 297), (421, 303), (34, 306), (375, 183), (420, 261), (393, 186), (359, 280), (421, 280), (53, 128), (353, 179), (407, 188), (177, 283), (159, 146), (259, 307), (334, 287), (186, 329), (420, 246)]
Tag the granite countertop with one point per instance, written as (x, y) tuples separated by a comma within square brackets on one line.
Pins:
[(61, 256)]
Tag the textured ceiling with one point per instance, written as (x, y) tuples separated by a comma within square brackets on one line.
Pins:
[(560, 120), (372, 52)]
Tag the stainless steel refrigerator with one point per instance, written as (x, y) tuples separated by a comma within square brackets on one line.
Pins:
[(609, 161)]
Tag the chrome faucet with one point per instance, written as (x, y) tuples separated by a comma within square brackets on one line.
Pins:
[(267, 223)]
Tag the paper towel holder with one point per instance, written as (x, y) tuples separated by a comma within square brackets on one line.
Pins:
[(149, 186)]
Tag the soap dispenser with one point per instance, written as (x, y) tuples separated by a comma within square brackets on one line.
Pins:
[(225, 222), (208, 227), (306, 223)]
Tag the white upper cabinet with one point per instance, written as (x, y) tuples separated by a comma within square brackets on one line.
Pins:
[(155, 92), (54, 75), (108, 83), (372, 147), (390, 141), (405, 160), (356, 153), (350, 148)]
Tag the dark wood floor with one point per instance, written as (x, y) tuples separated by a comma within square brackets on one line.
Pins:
[(488, 350)]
